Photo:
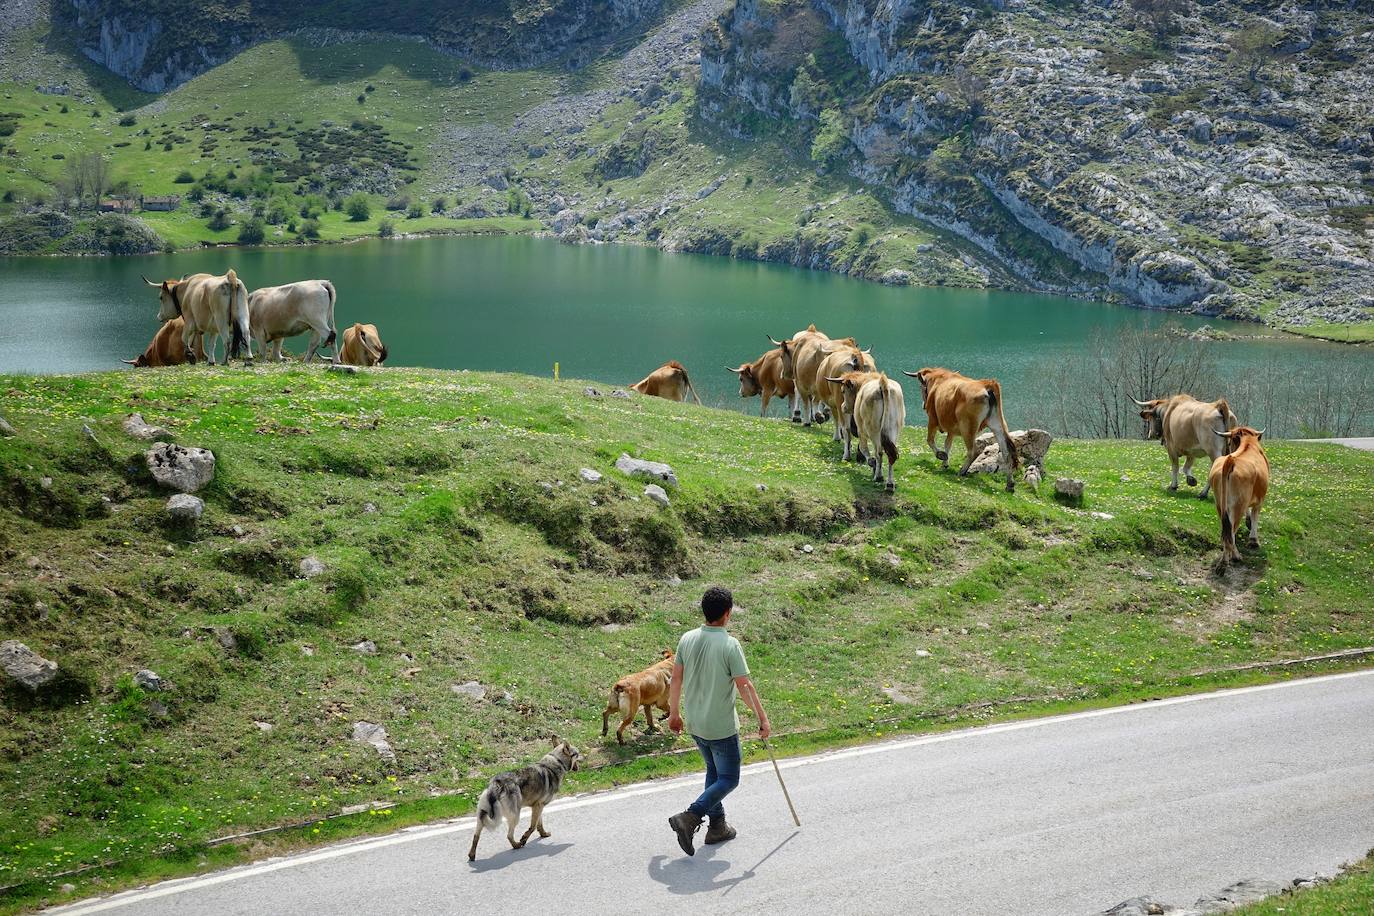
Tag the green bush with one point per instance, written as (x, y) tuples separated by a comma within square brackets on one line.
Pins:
[(128, 121), (386, 229), (358, 208), (184, 177), (253, 232), (310, 229)]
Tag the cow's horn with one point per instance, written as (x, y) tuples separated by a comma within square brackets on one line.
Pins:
[(1221, 433), (835, 380), (775, 342), (1139, 403), (912, 374), (150, 282), (736, 371), (132, 362), (868, 351), (1259, 433)]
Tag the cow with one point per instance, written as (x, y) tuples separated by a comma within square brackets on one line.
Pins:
[(839, 359), (668, 381), (957, 404), (362, 346), (279, 312), (1239, 482), (1186, 427), (764, 377), (800, 357), (167, 348), (211, 305), (645, 690), (876, 410)]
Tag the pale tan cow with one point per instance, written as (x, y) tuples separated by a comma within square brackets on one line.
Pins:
[(668, 381), (362, 346), (877, 411), (839, 360), (764, 377), (1240, 481), (279, 312), (800, 357), (1186, 427), (215, 306)]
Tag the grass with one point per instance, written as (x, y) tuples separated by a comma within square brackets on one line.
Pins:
[(487, 559), (1351, 894)]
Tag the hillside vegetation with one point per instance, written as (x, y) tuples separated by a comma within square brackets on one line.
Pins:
[(456, 534)]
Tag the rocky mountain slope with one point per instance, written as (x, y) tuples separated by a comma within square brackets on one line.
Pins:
[(1216, 157)]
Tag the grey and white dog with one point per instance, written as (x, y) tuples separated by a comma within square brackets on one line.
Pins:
[(530, 787)]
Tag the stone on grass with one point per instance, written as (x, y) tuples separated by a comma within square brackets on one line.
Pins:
[(148, 679), (311, 567), (343, 369), (1138, 906), (185, 470), (1031, 446), (366, 647), (922, 653), (472, 690), (45, 483), (649, 470), (1069, 490), (5, 428), (225, 637), (612, 627), (761, 487), (375, 735), (24, 666), (589, 475), (184, 512), (657, 494), (621, 393), (807, 548), (896, 696), (136, 427), (264, 726), (591, 392)]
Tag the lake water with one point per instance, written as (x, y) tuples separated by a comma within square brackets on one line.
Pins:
[(606, 312)]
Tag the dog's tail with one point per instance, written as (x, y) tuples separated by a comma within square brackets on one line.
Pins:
[(620, 698), (486, 807)]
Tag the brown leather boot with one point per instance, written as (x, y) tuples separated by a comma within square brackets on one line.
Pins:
[(685, 825), (719, 831)]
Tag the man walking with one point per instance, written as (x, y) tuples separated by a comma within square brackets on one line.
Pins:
[(710, 672)]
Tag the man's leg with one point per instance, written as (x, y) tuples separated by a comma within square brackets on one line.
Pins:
[(726, 755), (718, 785)]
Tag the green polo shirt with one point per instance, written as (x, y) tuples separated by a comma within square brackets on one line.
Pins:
[(711, 659)]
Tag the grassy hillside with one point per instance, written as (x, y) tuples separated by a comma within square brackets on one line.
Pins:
[(457, 536), (1351, 894)]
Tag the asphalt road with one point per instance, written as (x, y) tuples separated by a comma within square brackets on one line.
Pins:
[(1067, 815)]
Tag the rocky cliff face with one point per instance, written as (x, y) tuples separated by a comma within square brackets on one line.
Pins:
[(1216, 160), (159, 44)]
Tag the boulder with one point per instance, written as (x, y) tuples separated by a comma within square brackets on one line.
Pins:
[(311, 567), (622, 394), (263, 726), (134, 426), (1031, 445), (896, 696), (591, 392), (589, 475), (375, 735), (366, 647), (185, 470), (24, 666), (343, 369), (5, 428), (1138, 906), (472, 690), (149, 680), (657, 494), (184, 512), (650, 470), (1068, 489)]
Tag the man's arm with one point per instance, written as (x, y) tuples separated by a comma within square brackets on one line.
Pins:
[(751, 699), (675, 701)]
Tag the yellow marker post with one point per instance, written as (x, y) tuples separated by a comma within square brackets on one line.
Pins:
[(555, 372)]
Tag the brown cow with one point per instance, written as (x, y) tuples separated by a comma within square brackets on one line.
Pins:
[(167, 348), (1239, 481), (764, 377), (957, 404), (668, 381), (800, 357), (1186, 427), (647, 689), (362, 346)]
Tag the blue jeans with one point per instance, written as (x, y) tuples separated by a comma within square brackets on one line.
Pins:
[(722, 756)]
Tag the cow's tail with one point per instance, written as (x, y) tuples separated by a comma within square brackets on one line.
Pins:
[(691, 388), (333, 297), (1224, 414), (238, 316), (1221, 492), (998, 422), (888, 446)]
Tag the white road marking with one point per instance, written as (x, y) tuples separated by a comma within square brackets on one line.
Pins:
[(412, 834)]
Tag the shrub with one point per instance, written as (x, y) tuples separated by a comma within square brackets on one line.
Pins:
[(370, 88), (362, 97), (310, 229), (252, 232), (276, 216), (128, 121), (184, 177), (464, 75), (416, 210), (64, 109), (386, 229), (439, 206), (220, 221), (358, 208), (399, 202), (8, 197)]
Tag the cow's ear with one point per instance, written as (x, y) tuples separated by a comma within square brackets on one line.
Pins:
[(164, 286), (1146, 414)]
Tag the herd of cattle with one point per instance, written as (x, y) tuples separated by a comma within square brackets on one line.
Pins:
[(820, 377)]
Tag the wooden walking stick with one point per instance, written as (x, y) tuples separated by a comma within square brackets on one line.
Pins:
[(796, 820)]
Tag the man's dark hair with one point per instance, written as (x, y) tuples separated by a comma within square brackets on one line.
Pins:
[(716, 602)]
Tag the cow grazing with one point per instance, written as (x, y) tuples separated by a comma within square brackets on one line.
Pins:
[(279, 312), (1239, 482), (1187, 429), (876, 410), (362, 346), (957, 404), (764, 377), (800, 358), (216, 306), (647, 689), (668, 381), (839, 359), (167, 348)]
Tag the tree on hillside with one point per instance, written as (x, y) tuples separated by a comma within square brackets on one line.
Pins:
[(1159, 15), (968, 88), (831, 141), (87, 174), (358, 208), (1254, 45)]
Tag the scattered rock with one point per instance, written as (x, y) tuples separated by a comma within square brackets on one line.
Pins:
[(1069, 490), (1032, 476), (1104, 516), (366, 647), (134, 426), (761, 487), (149, 680), (612, 627), (922, 653), (369, 508), (896, 696), (238, 531), (225, 637), (185, 470), (652, 470), (307, 651), (375, 735), (1138, 906), (158, 709), (264, 726), (589, 475), (471, 689), (808, 548), (591, 392), (621, 393), (184, 512), (343, 369), (657, 494), (25, 666), (673, 581), (5, 428), (67, 888), (45, 483), (311, 567), (1031, 446)]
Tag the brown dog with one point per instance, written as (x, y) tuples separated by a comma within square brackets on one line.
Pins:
[(648, 688)]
